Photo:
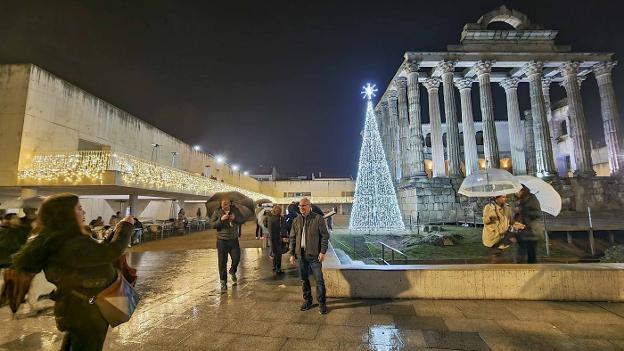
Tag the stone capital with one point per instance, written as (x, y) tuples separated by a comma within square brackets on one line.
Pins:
[(392, 93), (431, 84), (464, 83), (534, 69), (569, 69), (580, 80), (509, 83), (400, 82), (604, 68), (483, 67), (411, 67), (446, 67), (546, 83)]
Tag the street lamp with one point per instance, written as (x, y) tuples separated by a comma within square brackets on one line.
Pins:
[(197, 148), (220, 159), (155, 152), (235, 167), (173, 158), (246, 173)]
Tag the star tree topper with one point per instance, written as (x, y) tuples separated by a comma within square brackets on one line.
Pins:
[(369, 91)]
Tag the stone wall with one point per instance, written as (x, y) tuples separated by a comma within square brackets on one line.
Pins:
[(436, 200), (598, 193)]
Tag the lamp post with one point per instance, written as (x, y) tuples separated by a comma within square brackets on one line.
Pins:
[(155, 152), (173, 158)]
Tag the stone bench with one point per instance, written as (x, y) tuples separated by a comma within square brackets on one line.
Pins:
[(560, 282)]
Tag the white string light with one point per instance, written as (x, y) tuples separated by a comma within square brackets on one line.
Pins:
[(375, 205), (90, 166)]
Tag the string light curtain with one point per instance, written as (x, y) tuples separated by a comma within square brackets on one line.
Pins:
[(375, 205)]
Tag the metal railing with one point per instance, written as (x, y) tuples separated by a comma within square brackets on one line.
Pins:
[(393, 251)]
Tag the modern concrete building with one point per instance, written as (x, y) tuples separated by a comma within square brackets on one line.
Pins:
[(56, 137)]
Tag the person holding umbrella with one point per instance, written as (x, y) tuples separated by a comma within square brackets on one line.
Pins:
[(226, 220), (498, 229), (530, 213)]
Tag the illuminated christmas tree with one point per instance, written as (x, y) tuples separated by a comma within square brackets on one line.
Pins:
[(375, 205)]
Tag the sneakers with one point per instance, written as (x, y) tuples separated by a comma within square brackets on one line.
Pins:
[(223, 285), (322, 308), (503, 247), (234, 278), (306, 306)]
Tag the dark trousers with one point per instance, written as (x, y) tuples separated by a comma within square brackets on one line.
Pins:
[(277, 261), (225, 248), (527, 249), (258, 231), (310, 264), (89, 336)]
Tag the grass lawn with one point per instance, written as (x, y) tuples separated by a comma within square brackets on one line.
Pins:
[(470, 247)]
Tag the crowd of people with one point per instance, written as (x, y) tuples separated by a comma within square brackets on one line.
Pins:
[(81, 268), (505, 226)]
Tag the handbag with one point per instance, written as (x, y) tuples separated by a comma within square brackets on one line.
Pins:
[(117, 302)]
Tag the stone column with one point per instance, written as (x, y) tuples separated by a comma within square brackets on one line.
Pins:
[(471, 158), (578, 124), (555, 127), (490, 142), (417, 169), (132, 204), (393, 137), (610, 116), (516, 138), (530, 142), (450, 111), (437, 148), (384, 117), (404, 130), (543, 148)]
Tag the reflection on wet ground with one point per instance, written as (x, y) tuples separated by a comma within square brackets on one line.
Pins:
[(184, 309)]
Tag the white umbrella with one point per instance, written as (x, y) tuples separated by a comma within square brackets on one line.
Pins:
[(489, 183), (548, 197)]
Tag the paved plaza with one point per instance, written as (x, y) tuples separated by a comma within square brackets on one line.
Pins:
[(183, 309)]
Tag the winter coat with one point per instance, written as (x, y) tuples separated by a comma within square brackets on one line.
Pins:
[(74, 262), (496, 220), (275, 224), (317, 235), (225, 231), (530, 214), (11, 239)]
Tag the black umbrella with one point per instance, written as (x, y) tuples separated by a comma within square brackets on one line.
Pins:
[(262, 201), (243, 206), (294, 208)]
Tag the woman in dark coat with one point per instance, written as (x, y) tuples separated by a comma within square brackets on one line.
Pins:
[(78, 265), (275, 222), (528, 212)]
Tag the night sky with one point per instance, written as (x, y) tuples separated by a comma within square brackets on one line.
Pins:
[(270, 83)]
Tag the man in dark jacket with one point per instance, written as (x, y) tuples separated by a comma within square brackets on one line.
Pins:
[(309, 239), (529, 212), (227, 221)]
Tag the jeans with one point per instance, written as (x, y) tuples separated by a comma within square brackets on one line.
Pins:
[(277, 261), (307, 264), (225, 248)]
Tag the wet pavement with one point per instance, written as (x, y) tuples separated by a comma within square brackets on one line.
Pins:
[(183, 309)]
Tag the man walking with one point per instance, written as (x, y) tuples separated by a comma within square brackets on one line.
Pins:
[(309, 239), (226, 221)]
